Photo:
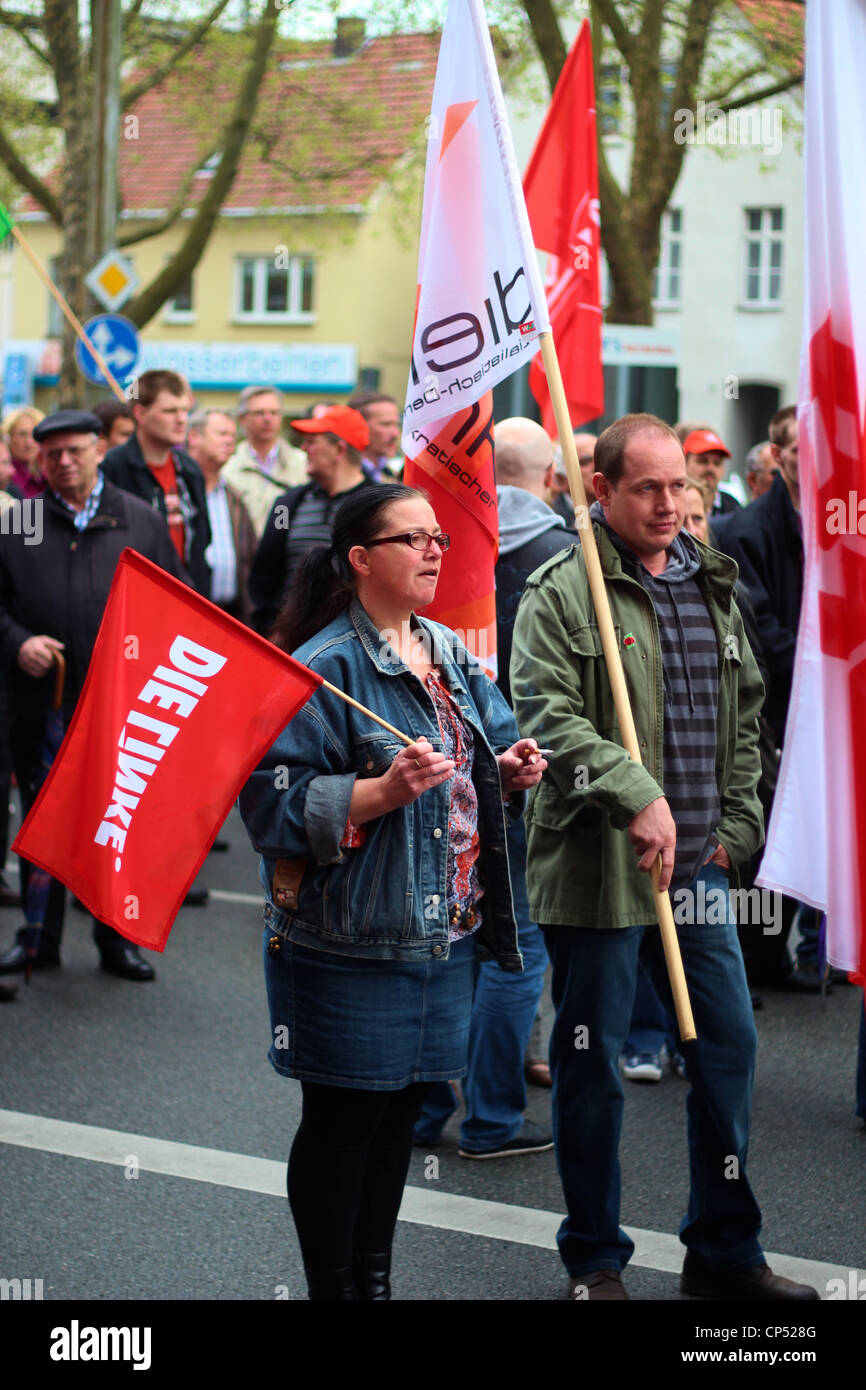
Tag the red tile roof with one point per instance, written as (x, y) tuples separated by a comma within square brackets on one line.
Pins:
[(781, 20), (325, 133)]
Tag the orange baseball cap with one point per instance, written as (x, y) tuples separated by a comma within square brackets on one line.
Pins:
[(341, 420), (704, 442)]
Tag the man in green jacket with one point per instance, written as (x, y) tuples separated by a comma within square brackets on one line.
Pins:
[(598, 822)]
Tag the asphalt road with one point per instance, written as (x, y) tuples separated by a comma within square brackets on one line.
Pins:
[(183, 1061)]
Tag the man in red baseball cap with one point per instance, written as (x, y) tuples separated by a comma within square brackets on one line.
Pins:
[(302, 518), (705, 462)]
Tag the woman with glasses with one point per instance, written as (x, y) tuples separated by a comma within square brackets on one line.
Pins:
[(385, 871)]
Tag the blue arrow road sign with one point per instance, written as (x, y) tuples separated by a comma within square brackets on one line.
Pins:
[(117, 340)]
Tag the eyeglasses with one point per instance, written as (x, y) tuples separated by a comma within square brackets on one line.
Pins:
[(419, 540), (76, 451)]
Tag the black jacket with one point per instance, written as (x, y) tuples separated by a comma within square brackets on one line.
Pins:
[(126, 468), (289, 532), (766, 541), (59, 588)]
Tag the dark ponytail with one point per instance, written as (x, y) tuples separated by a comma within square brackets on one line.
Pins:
[(324, 585)]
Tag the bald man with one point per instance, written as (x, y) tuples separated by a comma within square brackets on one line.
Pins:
[(558, 495), (530, 531)]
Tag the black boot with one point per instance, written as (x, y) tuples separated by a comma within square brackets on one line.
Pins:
[(373, 1277), (331, 1285)]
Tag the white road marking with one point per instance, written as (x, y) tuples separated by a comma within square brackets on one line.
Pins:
[(421, 1206)]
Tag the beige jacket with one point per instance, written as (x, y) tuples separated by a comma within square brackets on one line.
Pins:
[(259, 490)]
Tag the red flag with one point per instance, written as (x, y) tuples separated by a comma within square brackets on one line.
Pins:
[(818, 827), (179, 705), (561, 188), (453, 462)]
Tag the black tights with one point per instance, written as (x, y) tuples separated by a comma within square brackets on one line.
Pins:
[(347, 1169)]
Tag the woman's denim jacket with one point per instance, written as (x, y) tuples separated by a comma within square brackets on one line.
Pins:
[(385, 900)]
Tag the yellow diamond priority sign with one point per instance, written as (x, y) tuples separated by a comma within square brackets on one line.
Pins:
[(112, 280)]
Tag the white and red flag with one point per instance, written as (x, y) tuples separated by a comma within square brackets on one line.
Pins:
[(179, 705), (561, 187), (480, 308), (816, 847)]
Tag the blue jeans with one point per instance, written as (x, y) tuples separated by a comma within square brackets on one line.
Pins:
[(651, 1027), (503, 1012), (594, 977)]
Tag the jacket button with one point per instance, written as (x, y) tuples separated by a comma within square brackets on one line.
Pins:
[(437, 834), (437, 950)]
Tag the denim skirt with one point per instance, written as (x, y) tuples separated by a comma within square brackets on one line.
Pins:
[(370, 1025)]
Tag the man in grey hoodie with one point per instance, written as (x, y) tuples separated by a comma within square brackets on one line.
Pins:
[(530, 531)]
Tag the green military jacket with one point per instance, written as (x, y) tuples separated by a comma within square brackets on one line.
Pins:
[(582, 869)]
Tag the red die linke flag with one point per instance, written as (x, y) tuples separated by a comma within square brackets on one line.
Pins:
[(561, 188), (179, 705), (453, 461)]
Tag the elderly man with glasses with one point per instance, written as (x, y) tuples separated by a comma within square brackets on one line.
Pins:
[(52, 597)]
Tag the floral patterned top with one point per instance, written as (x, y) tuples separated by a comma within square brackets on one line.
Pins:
[(462, 872), (464, 879)]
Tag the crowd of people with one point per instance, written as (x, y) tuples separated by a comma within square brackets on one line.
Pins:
[(417, 896)]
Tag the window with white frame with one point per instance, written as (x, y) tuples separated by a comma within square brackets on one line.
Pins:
[(274, 289), (182, 305), (764, 233), (609, 103), (668, 276), (181, 308)]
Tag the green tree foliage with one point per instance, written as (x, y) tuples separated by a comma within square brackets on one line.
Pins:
[(669, 55)]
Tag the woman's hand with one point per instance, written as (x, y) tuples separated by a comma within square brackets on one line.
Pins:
[(415, 769), (521, 766)]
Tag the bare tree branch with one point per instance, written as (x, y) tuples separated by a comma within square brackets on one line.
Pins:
[(736, 82), (153, 79), (784, 85), (548, 37), (25, 176), (23, 24), (162, 225), (622, 37), (171, 277), (60, 27)]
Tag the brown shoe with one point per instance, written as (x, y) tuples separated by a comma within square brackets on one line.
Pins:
[(598, 1286), (538, 1074), (759, 1283)]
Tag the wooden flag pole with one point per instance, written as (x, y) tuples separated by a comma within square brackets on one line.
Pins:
[(70, 316), (335, 690), (685, 1020)]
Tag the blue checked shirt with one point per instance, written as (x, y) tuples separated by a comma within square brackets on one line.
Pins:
[(81, 520)]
